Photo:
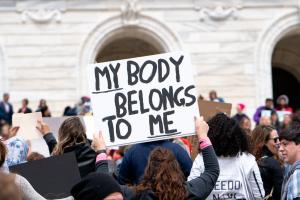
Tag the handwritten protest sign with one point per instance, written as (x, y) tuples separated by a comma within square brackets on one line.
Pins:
[(143, 99), (27, 123)]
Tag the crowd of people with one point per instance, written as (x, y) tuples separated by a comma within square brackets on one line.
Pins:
[(234, 161)]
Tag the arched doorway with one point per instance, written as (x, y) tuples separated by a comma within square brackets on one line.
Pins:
[(270, 54), (286, 83), (285, 68), (148, 36), (127, 47)]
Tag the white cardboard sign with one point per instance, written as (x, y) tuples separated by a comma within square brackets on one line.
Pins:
[(27, 123), (143, 99)]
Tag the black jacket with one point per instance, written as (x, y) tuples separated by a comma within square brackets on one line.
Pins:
[(6, 116), (271, 173), (85, 155), (198, 188)]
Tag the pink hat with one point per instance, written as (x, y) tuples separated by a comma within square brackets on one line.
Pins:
[(241, 105)]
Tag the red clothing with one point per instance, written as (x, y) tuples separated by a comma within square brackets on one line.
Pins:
[(286, 108)]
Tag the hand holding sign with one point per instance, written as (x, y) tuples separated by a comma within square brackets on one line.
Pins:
[(43, 128), (201, 127), (98, 142), (13, 131)]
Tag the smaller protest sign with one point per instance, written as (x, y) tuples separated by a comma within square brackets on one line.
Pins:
[(27, 123), (266, 113), (51, 177), (281, 115), (208, 109)]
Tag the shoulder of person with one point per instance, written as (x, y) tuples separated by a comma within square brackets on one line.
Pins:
[(247, 159), (270, 160)]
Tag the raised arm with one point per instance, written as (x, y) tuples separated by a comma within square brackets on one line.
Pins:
[(47, 135), (201, 187)]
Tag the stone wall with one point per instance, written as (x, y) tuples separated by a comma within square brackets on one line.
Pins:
[(45, 52)]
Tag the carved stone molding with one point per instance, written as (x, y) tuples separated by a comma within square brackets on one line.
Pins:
[(41, 16), (219, 13), (130, 12)]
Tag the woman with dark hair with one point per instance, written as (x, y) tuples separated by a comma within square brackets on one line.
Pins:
[(283, 104), (239, 174), (265, 142), (245, 124), (163, 178), (71, 138)]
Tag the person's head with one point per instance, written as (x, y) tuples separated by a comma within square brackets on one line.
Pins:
[(9, 189), (240, 107), (213, 95), (282, 100), (290, 144), (35, 156), (227, 137), (265, 121), (2, 153), (163, 176), (97, 186), (25, 102), (5, 130), (45, 111), (269, 103), (274, 116), (70, 132), (264, 137), (42, 103), (5, 97), (19, 146), (200, 97), (245, 124), (287, 119)]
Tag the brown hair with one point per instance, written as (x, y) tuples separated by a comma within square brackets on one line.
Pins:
[(70, 132), (259, 138), (2, 153), (35, 156), (163, 176), (9, 189)]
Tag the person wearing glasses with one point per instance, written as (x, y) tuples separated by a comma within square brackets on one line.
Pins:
[(265, 144)]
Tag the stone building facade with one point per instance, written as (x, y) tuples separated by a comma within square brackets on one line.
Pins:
[(235, 45)]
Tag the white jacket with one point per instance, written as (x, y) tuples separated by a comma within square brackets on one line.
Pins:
[(231, 183)]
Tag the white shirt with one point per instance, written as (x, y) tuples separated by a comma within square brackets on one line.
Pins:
[(6, 106), (231, 183)]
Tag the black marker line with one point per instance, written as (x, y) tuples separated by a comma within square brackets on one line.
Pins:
[(166, 135), (107, 91)]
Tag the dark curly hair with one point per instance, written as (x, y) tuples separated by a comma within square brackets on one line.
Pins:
[(163, 176), (226, 136)]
